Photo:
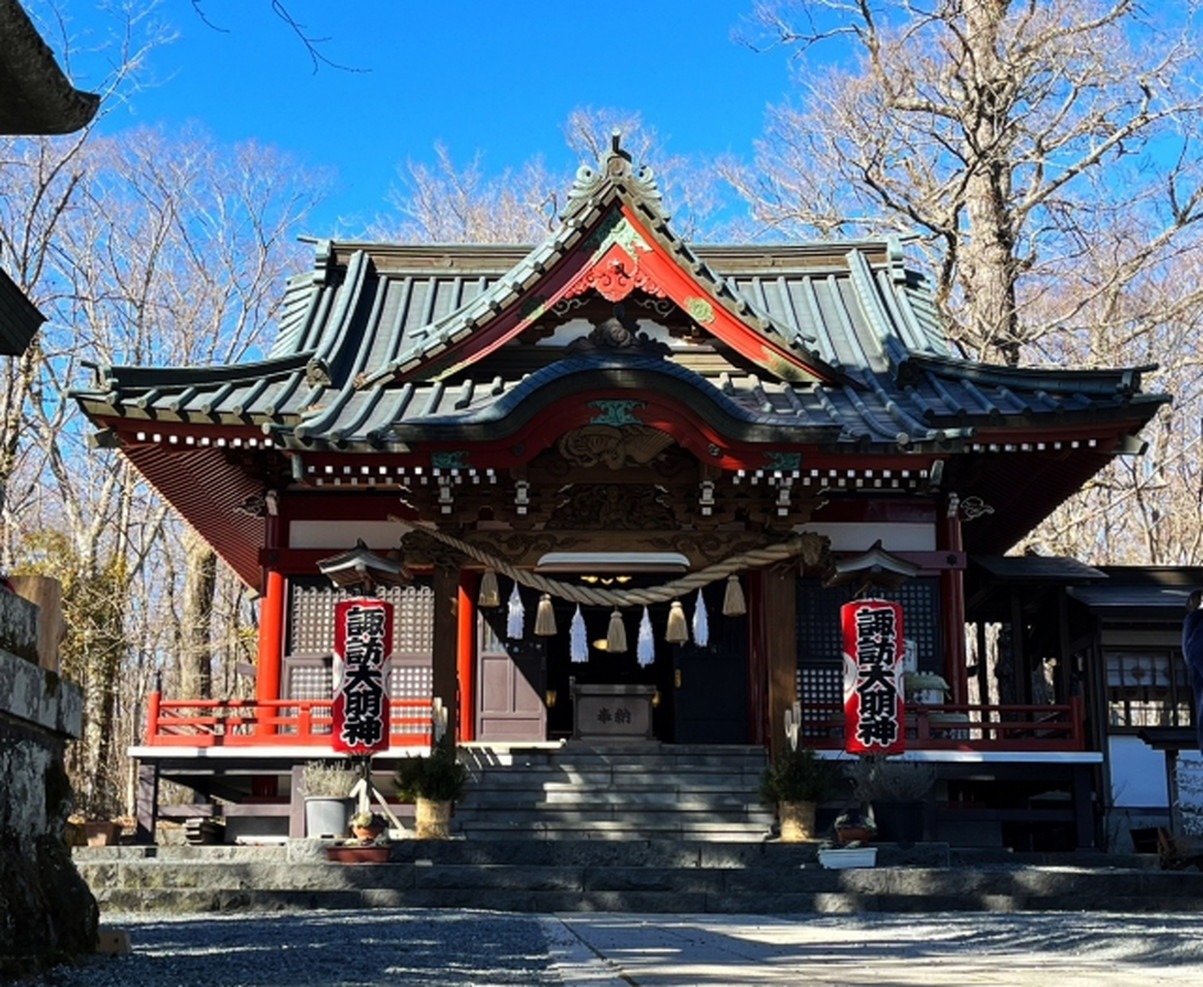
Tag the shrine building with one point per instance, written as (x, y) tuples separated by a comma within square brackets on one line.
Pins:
[(618, 472)]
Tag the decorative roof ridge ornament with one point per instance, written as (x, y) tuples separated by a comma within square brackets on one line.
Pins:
[(616, 169), (362, 569), (618, 334)]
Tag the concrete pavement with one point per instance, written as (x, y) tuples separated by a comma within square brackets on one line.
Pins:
[(932, 950)]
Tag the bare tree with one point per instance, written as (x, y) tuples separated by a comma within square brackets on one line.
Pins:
[(448, 203), (1045, 156), (172, 252), (1027, 144)]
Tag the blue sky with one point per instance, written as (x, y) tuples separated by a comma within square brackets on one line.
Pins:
[(495, 77)]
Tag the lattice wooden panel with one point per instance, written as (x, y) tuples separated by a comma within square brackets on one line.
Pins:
[(411, 680), (309, 682), (818, 622), (311, 618)]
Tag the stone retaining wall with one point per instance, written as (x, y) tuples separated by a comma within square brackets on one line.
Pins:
[(46, 909)]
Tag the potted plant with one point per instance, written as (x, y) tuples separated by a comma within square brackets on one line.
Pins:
[(895, 792), (367, 826), (433, 782), (796, 782), (327, 786)]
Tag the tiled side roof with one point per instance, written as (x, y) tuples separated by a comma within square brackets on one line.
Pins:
[(347, 368)]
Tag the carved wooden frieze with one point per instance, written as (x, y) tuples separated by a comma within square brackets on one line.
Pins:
[(613, 447), (615, 507)]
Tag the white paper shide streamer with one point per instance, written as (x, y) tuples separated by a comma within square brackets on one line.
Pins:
[(701, 622), (645, 650), (516, 616), (578, 641)]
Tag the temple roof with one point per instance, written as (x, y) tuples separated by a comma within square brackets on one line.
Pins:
[(36, 96), (346, 369), (822, 355)]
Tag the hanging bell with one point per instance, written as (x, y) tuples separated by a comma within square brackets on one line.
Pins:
[(677, 631), (734, 604), (489, 595), (545, 617)]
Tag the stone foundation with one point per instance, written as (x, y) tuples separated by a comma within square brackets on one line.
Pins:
[(46, 910)]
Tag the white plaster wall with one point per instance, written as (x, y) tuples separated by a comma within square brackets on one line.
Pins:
[(858, 537), (1138, 774), (342, 535)]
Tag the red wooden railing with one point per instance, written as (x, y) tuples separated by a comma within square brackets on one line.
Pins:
[(965, 727), (307, 722), (280, 722)]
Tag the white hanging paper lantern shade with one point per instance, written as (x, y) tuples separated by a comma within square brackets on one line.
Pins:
[(645, 649), (578, 641), (701, 622), (516, 616)]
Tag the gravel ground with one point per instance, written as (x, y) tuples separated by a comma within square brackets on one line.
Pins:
[(327, 948), (452, 948)]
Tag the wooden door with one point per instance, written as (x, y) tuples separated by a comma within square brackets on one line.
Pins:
[(510, 681)]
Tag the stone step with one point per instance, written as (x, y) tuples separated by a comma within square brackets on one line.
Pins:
[(573, 798), (648, 877)]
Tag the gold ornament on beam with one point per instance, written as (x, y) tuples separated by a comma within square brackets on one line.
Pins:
[(677, 631), (490, 595), (545, 618), (734, 604)]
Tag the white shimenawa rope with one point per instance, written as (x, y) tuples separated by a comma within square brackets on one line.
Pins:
[(753, 559)]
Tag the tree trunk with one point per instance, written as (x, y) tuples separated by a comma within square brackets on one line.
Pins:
[(196, 653)]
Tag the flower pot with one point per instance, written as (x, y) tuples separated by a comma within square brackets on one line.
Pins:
[(367, 832), (853, 834), (102, 832), (432, 820), (842, 858), (328, 817), (358, 854), (797, 821)]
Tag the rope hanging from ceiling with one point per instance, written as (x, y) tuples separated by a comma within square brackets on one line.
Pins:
[(808, 545)]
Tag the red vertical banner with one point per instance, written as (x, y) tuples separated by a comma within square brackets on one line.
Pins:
[(363, 640), (874, 709)]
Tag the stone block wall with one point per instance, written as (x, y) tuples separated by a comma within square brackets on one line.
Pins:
[(46, 909)]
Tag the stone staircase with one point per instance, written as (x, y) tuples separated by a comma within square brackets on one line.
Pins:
[(628, 791), (673, 876)]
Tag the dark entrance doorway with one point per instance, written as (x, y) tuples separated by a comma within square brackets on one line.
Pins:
[(710, 694)]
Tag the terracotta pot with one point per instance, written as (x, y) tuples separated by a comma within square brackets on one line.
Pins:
[(853, 834), (797, 821), (432, 820), (366, 832), (358, 854), (102, 833)]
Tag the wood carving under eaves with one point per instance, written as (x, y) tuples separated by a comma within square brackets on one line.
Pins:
[(613, 447), (614, 507)]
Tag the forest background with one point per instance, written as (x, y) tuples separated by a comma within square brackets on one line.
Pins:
[(1041, 159)]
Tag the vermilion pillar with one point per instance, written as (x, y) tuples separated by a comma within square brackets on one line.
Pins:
[(445, 660), (952, 599), (271, 643), (468, 584)]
